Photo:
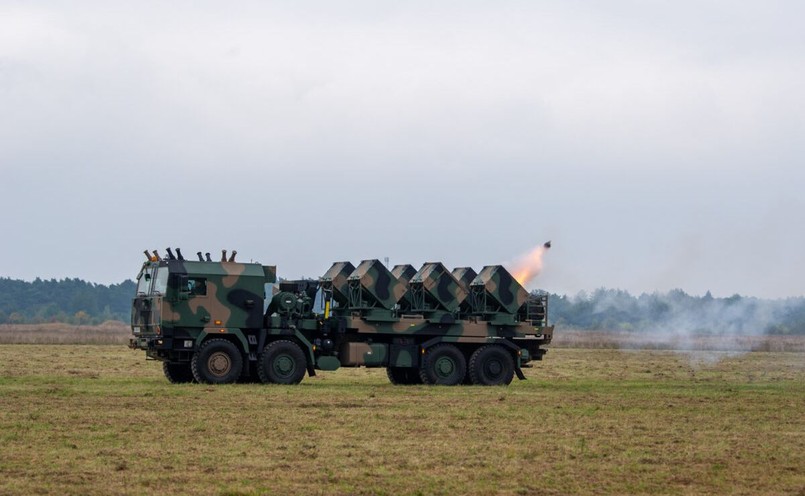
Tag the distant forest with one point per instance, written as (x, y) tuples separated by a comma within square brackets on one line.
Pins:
[(75, 301), (71, 301)]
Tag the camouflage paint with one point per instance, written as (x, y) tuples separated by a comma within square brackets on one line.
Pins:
[(404, 273), (435, 288), (495, 290), (372, 285), (335, 280)]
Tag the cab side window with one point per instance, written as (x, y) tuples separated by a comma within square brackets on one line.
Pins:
[(197, 286)]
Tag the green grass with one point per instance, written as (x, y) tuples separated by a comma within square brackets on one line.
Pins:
[(102, 420)]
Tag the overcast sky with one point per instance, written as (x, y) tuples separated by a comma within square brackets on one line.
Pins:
[(659, 145)]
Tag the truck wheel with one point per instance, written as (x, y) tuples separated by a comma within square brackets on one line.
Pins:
[(443, 364), (217, 361), (491, 365), (403, 376), (252, 378), (282, 362), (177, 373)]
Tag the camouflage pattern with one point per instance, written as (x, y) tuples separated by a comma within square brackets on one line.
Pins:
[(495, 290), (464, 276), (404, 273), (234, 295), (225, 297), (379, 317), (372, 285), (435, 288), (336, 280)]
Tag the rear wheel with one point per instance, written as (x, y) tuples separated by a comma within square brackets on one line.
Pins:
[(217, 361), (249, 367), (178, 373), (403, 376), (443, 364), (282, 362), (491, 365)]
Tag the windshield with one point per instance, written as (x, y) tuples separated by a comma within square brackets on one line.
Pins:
[(144, 280), (161, 280)]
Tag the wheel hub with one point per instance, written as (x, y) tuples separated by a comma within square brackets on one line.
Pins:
[(284, 365), (219, 364), (445, 367), (494, 368)]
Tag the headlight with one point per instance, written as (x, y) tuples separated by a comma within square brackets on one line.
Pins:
[(135, 330)]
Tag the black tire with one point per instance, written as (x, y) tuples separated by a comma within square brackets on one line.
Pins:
[(443, 364), (178, 373), (217, 361), (403, 376), (282, 362), (491, 365), (252, 378)]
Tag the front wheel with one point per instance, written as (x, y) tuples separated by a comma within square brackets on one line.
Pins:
[(282, 362), (443, 364), (177, 373), (217, 361), (491, 365)]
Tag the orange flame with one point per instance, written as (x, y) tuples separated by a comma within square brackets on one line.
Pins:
[(529, 266)]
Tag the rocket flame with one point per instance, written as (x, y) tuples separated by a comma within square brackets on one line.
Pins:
[(530, 265)]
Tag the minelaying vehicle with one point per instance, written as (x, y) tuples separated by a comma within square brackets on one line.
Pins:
[(224, 321)]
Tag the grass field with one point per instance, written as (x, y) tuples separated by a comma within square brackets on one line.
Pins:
[(101, 420)]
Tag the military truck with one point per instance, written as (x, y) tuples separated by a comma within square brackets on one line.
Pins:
[(219, 322)]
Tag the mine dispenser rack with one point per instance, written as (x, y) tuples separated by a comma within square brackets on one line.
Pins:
[(496, 295), (334, 282), (373, 287), (404, 273), (435, 292), (465, 276)]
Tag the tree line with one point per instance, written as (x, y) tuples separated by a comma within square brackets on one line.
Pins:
[(76, 301), (72, 301)]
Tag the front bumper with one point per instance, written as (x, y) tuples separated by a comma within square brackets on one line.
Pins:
[(149, 343)]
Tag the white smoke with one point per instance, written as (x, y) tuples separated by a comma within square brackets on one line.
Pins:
[(706, 329)]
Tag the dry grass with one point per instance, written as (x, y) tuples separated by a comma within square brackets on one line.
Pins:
[(110, 332), (102, 420)]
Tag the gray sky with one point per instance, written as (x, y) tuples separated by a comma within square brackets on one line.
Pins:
[(658, 144)]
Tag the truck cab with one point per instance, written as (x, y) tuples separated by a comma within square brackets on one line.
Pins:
[(180, 304)]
